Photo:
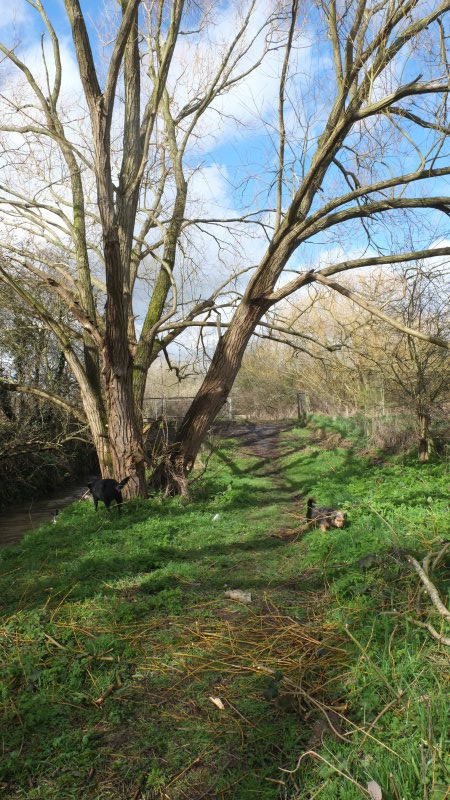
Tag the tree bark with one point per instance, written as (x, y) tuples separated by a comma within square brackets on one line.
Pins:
[(125, 435)]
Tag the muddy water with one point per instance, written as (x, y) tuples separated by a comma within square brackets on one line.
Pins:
[(18, 519)]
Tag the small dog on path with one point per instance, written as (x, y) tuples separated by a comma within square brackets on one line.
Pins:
[(324, 517), (107, 490)]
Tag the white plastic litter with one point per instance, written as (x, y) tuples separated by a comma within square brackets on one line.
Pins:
[(236, 594)]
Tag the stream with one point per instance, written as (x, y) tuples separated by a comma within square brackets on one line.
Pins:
[(18, 519)]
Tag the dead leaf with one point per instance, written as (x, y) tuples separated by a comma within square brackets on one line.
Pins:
[(374, 790), (236, 594), (217, 702)]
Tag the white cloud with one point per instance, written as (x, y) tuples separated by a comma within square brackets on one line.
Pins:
[(242, 108), (13, 13)]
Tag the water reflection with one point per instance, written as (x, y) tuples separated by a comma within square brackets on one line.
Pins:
[(23, 517)]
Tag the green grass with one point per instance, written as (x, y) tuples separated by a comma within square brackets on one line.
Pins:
[(132, 610)]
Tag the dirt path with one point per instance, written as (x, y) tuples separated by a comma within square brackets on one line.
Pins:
[(263, 441)]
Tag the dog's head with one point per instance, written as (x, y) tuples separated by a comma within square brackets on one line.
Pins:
[(339, 519)]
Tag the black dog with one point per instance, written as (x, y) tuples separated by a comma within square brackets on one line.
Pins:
[(107, 490), (324, 517)]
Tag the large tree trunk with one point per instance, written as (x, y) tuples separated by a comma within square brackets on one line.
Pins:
[(124, 430), (98, 427), (173, 473), (424, 434), (125, 436)]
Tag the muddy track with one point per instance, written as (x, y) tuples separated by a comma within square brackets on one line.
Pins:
[(263, 442)]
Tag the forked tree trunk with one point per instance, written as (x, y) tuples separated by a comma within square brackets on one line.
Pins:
[(172, 475), (424, 434)]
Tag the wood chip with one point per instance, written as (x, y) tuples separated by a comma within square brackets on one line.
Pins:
[(236, 594), (217, 702)]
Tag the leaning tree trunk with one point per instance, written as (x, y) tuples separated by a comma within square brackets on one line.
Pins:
[(424, 434), (172, 474)]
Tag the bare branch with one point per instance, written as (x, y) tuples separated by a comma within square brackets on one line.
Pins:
[(377, 313), (281, 91), (117, 55), (12, 386), (431, 589), (88, 72), (408, 90)]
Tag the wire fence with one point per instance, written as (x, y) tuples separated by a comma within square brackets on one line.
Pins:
[(235, 407), (176, 407)]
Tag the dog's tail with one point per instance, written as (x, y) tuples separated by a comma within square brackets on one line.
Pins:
[(124, 482), (309, 504)]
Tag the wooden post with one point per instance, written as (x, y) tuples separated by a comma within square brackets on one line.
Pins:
[(230, 408)]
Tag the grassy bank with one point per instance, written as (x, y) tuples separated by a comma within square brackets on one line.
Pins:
[(117, 633)]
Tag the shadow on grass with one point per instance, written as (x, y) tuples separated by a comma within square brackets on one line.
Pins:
[(63, 556), (88, 575)]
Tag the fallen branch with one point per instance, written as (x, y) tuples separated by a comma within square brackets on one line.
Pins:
[(442, 552), (431, 589), (439, 637), (329, 764), (53, 641), (114, 686)]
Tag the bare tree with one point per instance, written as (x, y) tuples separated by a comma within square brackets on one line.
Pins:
[(111, 181), (92, 187), (416, 373), (370, 44)]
